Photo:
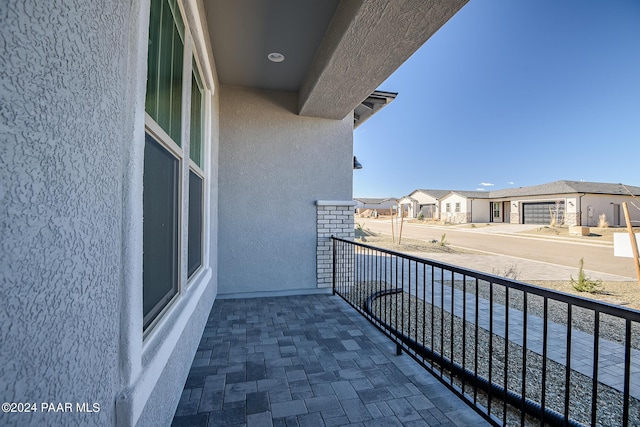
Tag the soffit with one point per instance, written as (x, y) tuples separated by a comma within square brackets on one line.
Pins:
[(244, 32)]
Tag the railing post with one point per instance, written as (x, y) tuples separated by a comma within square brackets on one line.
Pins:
[(334, 258)]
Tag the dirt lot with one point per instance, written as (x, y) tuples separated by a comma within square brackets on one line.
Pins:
[(626, 294)]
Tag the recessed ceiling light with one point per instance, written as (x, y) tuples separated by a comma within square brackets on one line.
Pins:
[(275, 57)]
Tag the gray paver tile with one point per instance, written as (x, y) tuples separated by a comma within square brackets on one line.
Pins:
[(322, 403), (287, 409), (305, 361)]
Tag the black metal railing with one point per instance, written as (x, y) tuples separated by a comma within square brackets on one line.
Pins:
[(519, 354)]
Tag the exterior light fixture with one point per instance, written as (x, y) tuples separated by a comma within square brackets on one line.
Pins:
[(356, 163), (275, 57)]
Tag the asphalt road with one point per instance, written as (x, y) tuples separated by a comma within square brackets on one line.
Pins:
[(565, 252)]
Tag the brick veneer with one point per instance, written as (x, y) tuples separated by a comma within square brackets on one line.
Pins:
[(333, 218)]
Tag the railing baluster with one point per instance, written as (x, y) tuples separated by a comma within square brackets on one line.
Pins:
[(545, 334), (490, 343), (464, 327), (627, 374), (441, 317), (433, 307), (524, 354), (476, 345), (424, 299), (596, 360), (567, 381), (506, 354), (416, 299), (452, 327), (409, 301), (402, 314)]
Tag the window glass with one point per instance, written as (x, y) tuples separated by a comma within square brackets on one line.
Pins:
[(160, 228), (164, 80), (195, 223), (195, 151)]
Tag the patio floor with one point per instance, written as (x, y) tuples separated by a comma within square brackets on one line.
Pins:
[(308, 361)]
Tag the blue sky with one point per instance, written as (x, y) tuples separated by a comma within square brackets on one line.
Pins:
[(509, 94)]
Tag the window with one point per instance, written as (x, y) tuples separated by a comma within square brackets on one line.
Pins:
[(160, 228), (196, 177), (448, 207), (457, 207), (496, 210), (166, 156)]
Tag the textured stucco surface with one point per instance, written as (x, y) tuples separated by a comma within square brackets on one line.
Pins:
[(366, 42), (62, 139), (161, 406), (274, 166)]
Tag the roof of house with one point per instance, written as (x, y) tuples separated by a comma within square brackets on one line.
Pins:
[(548, 189), (374, 201), (436, 194), (567, 187), (471, 194)]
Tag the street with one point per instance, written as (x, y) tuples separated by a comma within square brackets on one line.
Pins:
[(499, 240)]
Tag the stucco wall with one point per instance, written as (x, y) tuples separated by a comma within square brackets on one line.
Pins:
[(604, 204), (274, 166), (480, 210), (63, 127)]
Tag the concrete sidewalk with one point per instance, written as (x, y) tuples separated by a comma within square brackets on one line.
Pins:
[(527, 269)]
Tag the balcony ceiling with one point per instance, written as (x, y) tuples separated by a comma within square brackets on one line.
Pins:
[(337, 52), (244, 32)]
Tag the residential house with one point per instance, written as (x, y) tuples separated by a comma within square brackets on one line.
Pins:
[(159, 154), (380, 206), (425, 201), (464, 206), (564, 202)]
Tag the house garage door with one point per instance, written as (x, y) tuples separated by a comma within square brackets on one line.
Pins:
[(541, 212)]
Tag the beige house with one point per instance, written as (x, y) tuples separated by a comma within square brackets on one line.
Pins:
[(564, 202), (425, 202), (380, 206)]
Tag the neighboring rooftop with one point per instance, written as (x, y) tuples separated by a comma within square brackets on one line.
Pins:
[(568, 187), (373, 201), (555, 187)]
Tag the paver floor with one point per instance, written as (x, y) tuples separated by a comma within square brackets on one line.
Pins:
[(308, 361)]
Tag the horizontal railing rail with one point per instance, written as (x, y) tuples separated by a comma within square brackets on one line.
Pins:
[(519, 354)]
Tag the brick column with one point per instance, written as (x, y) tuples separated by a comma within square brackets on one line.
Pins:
[(333, 218)]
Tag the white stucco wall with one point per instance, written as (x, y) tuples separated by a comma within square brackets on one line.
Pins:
[(422, 198), (604, 204), (480, 210), (65, 124), (71, 165), (274, 166), (452, 215)]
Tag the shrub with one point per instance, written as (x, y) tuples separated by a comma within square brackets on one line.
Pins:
[(421, 216), (602, 221), (510, 272), (584, 283)]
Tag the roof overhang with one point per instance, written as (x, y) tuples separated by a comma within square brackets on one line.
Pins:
[(337, 52), (374, 103)]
